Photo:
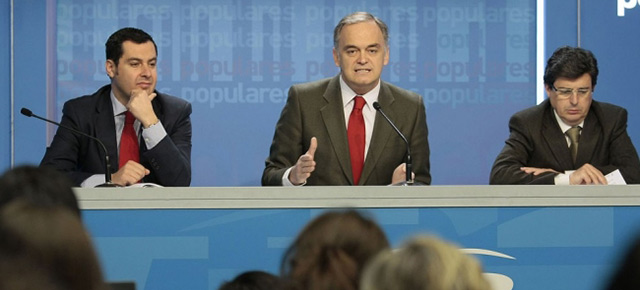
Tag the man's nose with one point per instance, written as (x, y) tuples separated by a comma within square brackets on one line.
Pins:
[(574, 97), (146, 70)]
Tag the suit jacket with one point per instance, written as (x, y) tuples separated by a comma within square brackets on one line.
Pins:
[(536, 140), (80, 157), (316, 109)]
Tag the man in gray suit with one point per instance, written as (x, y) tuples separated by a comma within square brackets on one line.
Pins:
[(313, 143), (541, 148)]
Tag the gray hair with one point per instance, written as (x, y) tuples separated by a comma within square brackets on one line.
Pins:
[(358, 17)]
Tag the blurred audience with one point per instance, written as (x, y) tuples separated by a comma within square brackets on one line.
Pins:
[(424, 263), (50, 240), (254, 280), (40, 185), (627, 274), (331, 251)]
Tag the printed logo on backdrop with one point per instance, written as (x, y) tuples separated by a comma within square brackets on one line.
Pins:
[(219, 55), (496, 280), (626, 5)]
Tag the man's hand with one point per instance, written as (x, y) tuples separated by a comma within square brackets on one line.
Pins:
[(537, 171), (305, 165), (130, 173), (587, 174), (400, 174), (140, 106)]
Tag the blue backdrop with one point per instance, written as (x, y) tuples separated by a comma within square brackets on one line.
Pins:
[(474, 62)]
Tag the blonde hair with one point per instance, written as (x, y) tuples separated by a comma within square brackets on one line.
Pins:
[(424, 263)]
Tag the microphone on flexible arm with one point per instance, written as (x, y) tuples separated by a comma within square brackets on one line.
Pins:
[(107, 167), (409, 179)]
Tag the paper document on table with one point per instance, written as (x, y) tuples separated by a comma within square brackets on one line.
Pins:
[(615, 178)]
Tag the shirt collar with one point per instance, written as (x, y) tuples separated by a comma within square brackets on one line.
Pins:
[(348, 94), (118, 108), (563, 126)]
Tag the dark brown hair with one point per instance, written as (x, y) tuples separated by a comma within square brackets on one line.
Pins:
[(53, 238), (571, 62), (331, 251)]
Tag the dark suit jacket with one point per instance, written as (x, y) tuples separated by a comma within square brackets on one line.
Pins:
[(169, 161), (315, 109), (536, 140)]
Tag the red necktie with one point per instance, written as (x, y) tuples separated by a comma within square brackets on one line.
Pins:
[(129, 149), (356, 136)]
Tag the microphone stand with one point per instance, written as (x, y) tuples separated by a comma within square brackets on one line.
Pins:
[(107, 166), (409, 168)]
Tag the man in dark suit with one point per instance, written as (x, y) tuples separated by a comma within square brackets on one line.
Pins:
[(313, 143), (161, 125), (541, 148)]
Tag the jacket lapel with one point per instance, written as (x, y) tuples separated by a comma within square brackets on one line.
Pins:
[(382, 132), (333, 118)]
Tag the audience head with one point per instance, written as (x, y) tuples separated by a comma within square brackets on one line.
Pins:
[(253, 280), (331, 251), (20, 272), (39, 185), (627, 273), (424, 263), (52, 240)]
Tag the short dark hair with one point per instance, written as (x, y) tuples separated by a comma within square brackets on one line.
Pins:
[(571, 62), (40, 185), (358, 17), (113, 46)]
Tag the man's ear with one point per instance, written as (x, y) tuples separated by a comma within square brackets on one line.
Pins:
[(110, 67)]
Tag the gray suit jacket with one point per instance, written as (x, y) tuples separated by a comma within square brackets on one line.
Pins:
[(315, 110), (80, 157), (537, 141)]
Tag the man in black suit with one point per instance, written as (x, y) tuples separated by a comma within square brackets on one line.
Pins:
[(539, 148), (161, 122), (311, 144)]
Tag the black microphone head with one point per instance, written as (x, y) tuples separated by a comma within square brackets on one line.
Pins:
[(26, 112), (376, 106)]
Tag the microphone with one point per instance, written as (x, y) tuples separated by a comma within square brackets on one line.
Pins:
[(107, 167), (409, 180)]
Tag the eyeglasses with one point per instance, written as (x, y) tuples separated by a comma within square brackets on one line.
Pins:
[(565, 93)]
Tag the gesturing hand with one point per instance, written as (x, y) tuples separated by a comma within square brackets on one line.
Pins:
[(305, 165)]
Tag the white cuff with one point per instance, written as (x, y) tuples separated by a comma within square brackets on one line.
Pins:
[(153, 135), (286, 181), (563, 178)]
